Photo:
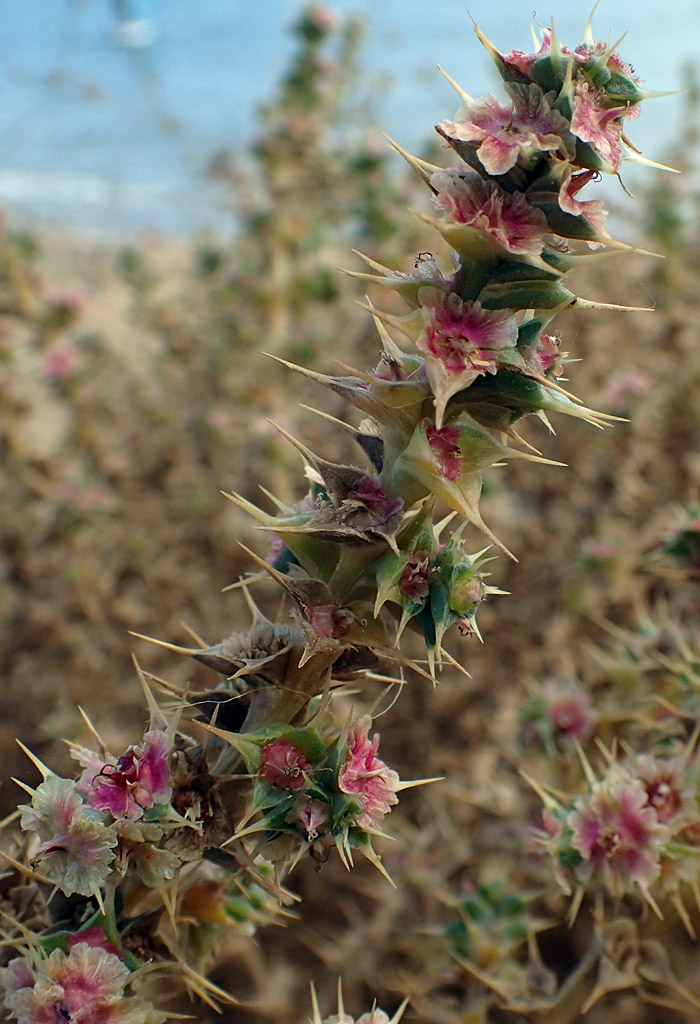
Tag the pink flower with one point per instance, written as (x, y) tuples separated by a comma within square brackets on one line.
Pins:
[(618, 834), (414, 581), (597, 124), (364, 775), (138, 780), (77, 848), (544, 355), (461, 341), (507, 217), (584, 53), (592, 209), (522, 61), (283, 765), (85, 986), (623, 387), (313, 816), (93, 937), (569, 710), (367, 506), (60, 362), (667, 789), (445, 450), (331, 620), (507, 135)]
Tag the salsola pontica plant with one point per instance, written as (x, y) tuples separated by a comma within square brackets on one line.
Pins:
[(140, 865)]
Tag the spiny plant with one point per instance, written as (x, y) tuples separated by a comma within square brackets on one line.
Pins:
[(137, 868)]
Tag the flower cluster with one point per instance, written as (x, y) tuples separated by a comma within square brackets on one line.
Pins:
[(314, 791), (87, 982), (636, 829)]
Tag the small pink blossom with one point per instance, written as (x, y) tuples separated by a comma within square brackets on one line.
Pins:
[(507, 135), (617, 834), (569, 710), (445, 450), (592, 209), (59, 362), (283, 765), (508, 218), (461, 341), (93, 937), (84, 986), (668, 790), (313, 816), (77, 848), (545, 355), (414, 582), (522, 61), (331, 620), (625, 386), (364, 775), (596, 124), (367, 507), (585, 53), (322, 17), (139, 779)]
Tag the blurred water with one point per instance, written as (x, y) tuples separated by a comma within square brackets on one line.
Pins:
[(96, 134)]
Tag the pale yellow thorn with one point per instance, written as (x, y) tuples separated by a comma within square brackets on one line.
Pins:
[(157, 718), (588, 37), (413, 162), (456, 664), (585, 764), (679, 907), (631, 153), (316, 1018), (46, 772), (376, 861), (12, 817), (464, 96), (413, 783), (34, 876), (575, 905)]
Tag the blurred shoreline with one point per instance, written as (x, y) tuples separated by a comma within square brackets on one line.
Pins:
[(115, 138)]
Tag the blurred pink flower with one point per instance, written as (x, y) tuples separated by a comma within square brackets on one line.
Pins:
[(569, 710), (59, 362), (669, 791), (364, 775), (617, 834)]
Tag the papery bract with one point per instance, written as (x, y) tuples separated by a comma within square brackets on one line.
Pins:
[(77, 847), (365, 775)]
